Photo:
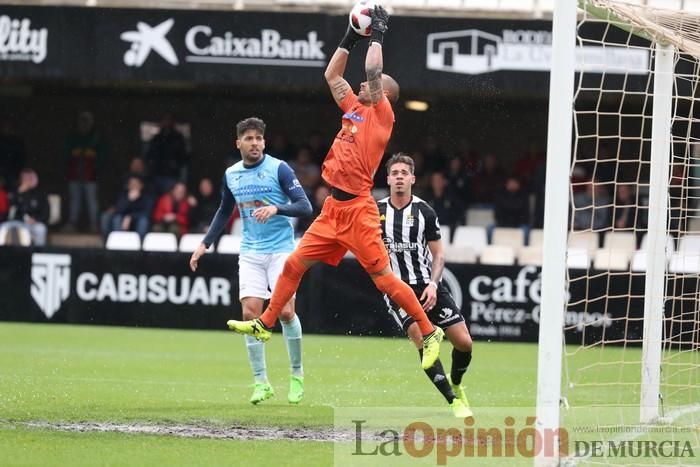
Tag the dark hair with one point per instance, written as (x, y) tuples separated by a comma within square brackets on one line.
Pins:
[(400, 158), (251, 123)]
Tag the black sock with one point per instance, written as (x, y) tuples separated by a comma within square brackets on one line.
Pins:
[(460, 363), (436, 373)]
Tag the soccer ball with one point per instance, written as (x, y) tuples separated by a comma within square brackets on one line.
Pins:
[(360, 17)]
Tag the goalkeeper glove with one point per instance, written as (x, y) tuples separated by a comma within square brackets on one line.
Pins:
[(350, 39), (380, 24)]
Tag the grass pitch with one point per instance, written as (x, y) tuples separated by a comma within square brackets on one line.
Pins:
[(53, 376)]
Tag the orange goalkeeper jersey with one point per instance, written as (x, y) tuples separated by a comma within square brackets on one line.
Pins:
[(359, 146)]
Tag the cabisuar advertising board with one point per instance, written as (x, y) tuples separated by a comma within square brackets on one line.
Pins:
[(284, 49), (502, 303)]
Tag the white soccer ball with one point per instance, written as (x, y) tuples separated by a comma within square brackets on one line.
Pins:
[(360, 17)]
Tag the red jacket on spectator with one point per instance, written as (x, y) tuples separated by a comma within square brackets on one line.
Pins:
[(167, 204), (4, 204)]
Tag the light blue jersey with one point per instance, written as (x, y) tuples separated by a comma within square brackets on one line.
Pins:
[(258, 186)]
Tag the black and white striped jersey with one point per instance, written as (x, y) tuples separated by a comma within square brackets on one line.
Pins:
[(406, 233)]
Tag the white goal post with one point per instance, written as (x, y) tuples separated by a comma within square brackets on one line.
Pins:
[(624, 116)]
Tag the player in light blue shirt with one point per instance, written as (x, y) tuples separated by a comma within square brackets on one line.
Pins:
[(267, 193)]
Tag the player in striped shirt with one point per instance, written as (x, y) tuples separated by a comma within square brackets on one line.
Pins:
[(411, 233)]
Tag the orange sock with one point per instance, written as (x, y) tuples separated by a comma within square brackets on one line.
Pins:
[(402, 294), (287, 285)]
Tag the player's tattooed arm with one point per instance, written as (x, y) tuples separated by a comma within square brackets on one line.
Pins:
[(334, 75), (374, 63)]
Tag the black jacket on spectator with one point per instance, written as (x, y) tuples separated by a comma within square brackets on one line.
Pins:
[(202, 214), (33, 203), (12, 158), (448, 207), (167, 154), (512, 208), (141, 206)]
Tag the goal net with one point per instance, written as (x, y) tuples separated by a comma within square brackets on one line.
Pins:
[(631, 370)]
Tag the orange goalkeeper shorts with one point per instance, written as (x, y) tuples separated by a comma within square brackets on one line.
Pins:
[(346, 225)]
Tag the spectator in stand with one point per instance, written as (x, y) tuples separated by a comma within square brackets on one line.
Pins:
[(282, 148), (172, 211), (538, 185), (203, 206), (166, 156), (4, 202), (13, 154), (626, 212), (308, 172), (318, 147), (447, 205), (527, 164), (458, 180), (435, 157), (488, 181), (593, 208), (85, 152), (512, 207), (29, 207), (132, 210)]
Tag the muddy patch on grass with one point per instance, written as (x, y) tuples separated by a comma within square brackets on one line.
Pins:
[(244, 433)]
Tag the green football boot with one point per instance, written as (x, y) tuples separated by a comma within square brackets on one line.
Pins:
[(261, 392), (431, 347), (254, 328), (296, 389), (460, 410)]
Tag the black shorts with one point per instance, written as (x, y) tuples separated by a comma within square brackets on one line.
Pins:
[(444, 314)]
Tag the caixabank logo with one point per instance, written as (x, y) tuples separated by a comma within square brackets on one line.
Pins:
[(202, 43), (474, 52)]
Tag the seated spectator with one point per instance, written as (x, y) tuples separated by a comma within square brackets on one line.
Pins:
[(592, 208), (29, 207), (132, 211), (307, 172), (172, 211), (512, 207), (447, 205), (203, 206)]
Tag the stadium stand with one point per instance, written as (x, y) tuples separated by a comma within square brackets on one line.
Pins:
[(578, 258), (189, 242), (123, 241), (460, 254), (621, 241), (610, 259), (16, 235), (584, 240), (159, 241), (536, 238), (230, 244), (474, 237), (498, 255), (508, 236), (530, 256), (480, 217)]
